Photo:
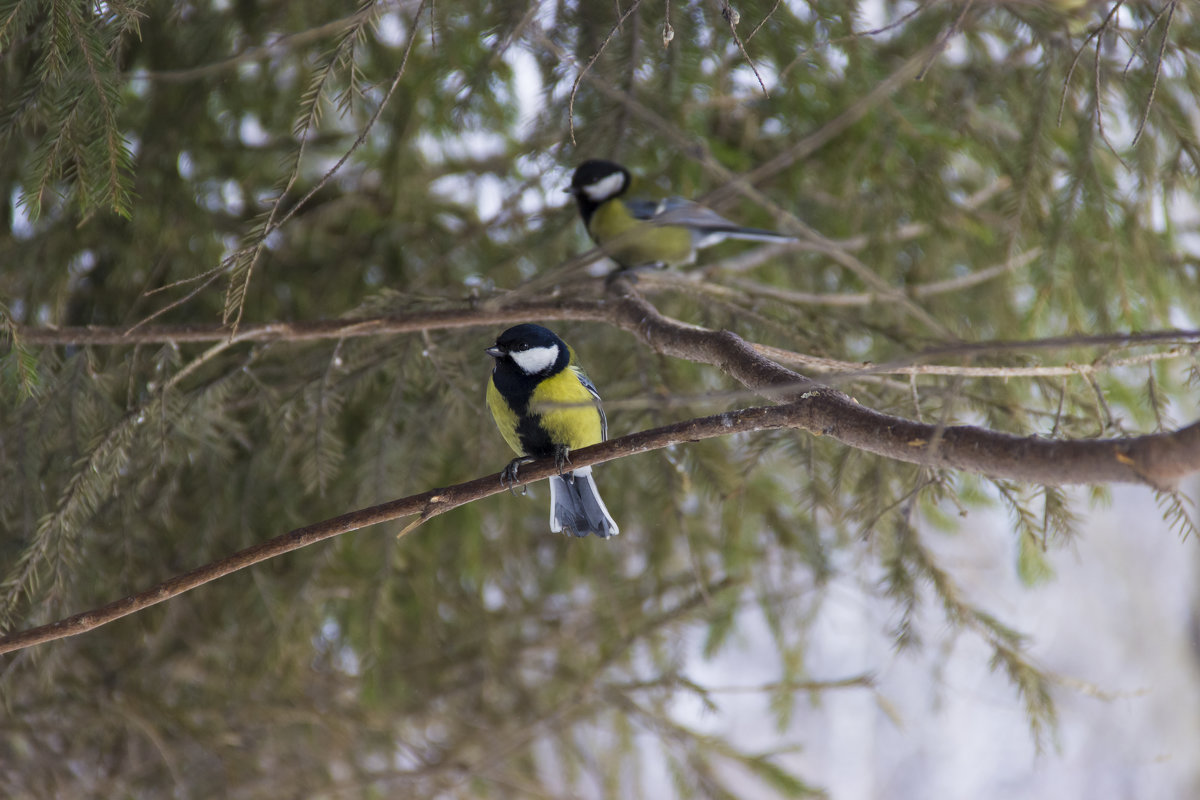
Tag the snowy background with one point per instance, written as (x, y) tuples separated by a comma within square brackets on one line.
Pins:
[(1115, 626)]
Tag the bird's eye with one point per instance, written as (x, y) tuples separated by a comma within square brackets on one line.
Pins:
[(523, 346)]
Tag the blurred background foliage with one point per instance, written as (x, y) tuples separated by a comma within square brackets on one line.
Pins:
[(149, 148)]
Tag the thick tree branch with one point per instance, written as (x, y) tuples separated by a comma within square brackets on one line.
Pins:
[(1158, 460), (427, 504), (1127, 460)]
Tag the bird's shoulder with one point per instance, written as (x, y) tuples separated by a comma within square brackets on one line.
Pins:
[(585, 380)]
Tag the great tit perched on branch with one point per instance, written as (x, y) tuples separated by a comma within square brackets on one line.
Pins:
[(637, 232), (544, 405)]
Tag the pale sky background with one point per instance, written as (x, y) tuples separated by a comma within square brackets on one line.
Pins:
[(1115, 625)]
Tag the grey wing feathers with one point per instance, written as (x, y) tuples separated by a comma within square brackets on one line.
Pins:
[(701, 219), (677, 211), (591, 387)]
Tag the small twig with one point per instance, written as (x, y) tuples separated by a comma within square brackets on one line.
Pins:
[(916, 397), (765, 19), (206, 279), (944, 39), (1158, 62), (731, 18), (182, 282), (1098, 100), (1096, 32), (1109, 422), (579, 78)]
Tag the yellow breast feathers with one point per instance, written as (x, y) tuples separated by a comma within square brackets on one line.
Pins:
[(569, 412)]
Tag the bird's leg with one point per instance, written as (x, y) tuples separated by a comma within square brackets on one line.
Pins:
[(562, 460), (618, 274), (508, 476)]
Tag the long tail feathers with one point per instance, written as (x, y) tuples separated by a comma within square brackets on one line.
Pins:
[(759, 235), (709, 236), (576, 507)]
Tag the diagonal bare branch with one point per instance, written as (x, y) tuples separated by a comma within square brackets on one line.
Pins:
[(1142, 459)]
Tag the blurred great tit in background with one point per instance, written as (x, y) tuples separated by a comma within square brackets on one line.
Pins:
[(637, 232), (544, 405)]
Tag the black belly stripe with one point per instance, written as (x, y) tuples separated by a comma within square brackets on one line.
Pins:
[(534, 439), (516, 388)]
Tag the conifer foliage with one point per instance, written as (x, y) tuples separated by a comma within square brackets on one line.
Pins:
[(995, 211)]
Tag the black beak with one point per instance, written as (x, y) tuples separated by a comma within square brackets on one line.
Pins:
[(494, 352)]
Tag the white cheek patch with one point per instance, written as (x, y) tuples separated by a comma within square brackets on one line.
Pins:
[(535, 359), (605, 188)]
